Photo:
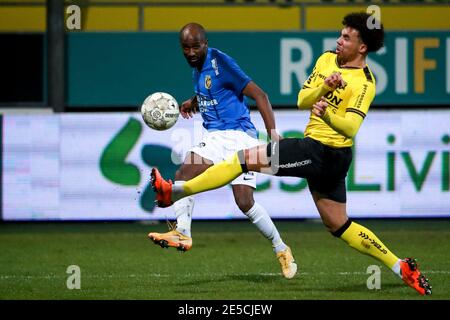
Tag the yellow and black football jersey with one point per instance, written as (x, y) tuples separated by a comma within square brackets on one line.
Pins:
[(355, 97)]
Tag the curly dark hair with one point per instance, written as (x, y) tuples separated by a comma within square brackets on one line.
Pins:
[(372, 38)]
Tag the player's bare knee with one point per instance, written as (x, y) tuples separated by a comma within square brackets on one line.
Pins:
[(244, 203)]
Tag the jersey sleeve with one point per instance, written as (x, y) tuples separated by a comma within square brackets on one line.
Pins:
[(354, 114), (361, 99), (233, 75)]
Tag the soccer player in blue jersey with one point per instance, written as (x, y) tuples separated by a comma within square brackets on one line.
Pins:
[(220, 86)]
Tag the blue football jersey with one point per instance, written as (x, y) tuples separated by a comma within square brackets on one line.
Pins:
[(218, 87)]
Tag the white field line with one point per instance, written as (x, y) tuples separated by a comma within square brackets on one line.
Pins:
[(188, 275)]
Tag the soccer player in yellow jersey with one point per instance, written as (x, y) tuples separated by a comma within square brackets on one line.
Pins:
[(338, 93)]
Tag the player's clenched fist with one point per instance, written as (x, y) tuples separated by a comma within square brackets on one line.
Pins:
[(319, 108), (335, 81), (188, 107)]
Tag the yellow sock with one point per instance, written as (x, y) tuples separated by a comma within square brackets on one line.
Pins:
[(365, 241), (214, 177)]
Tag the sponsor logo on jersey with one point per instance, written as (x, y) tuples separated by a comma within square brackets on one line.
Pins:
[(333, 98), (204, 102)]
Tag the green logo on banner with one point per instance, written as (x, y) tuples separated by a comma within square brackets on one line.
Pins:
[(115, 168)]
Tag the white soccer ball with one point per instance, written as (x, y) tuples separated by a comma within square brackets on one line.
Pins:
[(160, 111)]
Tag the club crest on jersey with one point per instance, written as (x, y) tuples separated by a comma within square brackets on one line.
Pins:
[(208, 82)]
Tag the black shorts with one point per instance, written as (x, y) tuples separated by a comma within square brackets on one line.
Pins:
[(324, 167)]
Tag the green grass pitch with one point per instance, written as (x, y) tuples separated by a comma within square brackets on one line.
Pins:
[(229, 260)]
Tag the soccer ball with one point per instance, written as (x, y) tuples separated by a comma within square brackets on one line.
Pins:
[(160, 111)]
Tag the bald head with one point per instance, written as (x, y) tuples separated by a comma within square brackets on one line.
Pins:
[(194, 44), (193, 31)]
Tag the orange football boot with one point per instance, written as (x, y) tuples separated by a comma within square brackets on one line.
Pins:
[(173, 239), (412, 276), (162, 188)]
